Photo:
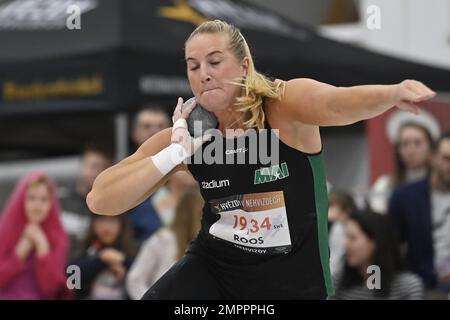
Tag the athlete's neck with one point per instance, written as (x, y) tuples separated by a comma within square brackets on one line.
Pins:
[(231, 119)]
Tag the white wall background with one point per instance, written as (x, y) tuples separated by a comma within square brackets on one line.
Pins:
[(417, 30)]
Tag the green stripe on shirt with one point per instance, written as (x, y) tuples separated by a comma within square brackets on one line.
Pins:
[(321, 199)]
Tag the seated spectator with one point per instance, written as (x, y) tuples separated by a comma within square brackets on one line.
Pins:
[(76, 214), (341, 206), (108, 252), (371, 241), (413, 138), (166, 246), (33, 244), (421, 212), (148, 121)]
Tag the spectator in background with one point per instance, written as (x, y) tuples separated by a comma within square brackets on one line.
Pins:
[(341, 206), (167, 197), (76, 214), (147, 122), (421, 211), (166, 246), (33, 243), (371, 241), (413, 138), (108, 252)]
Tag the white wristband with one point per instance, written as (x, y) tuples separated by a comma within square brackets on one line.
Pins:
[(180, 123), (169, 157)]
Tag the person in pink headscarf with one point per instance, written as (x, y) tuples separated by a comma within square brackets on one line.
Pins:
[(33, 243)]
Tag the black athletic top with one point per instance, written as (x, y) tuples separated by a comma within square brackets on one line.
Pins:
[(264, 227)]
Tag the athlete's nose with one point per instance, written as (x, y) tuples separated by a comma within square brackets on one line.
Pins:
[(204, 74)]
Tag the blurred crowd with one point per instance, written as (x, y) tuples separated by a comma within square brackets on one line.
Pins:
[(395, 246)]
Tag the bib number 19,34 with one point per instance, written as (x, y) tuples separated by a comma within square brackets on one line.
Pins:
[(253, 226)]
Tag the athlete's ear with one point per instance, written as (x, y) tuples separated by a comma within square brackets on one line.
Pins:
[(244, 66)]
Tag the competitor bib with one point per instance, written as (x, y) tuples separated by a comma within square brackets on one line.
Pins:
[(256, 222)]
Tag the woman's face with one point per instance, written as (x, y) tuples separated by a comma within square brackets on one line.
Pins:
[(335, 212), (414, 149), (359, 248), (92, 164), (210, 64), (106, 229), (38, 203)]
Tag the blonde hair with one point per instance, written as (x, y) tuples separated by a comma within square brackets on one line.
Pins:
[(255, 85), (187, 222), (42, 180)]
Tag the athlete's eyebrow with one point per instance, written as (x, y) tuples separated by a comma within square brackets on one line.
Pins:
[(208, 55)]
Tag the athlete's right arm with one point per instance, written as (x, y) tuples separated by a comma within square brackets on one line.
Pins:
[(132, 180)]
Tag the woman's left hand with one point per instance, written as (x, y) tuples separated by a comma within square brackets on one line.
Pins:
[(409, 92)]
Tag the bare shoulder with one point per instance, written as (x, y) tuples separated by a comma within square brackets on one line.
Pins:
[(292, 131)]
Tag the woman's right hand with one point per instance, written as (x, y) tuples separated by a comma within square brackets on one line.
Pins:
[(180, 133), (24, 247), (111, 256)]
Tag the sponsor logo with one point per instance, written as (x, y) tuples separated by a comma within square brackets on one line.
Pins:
[(215, 184), (236, 150), (269, 174), (228, 205), (252, 250)]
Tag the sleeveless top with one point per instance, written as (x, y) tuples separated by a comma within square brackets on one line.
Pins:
[(264, 226)]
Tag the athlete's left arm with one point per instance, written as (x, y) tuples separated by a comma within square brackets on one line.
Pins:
[(317, 103)]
